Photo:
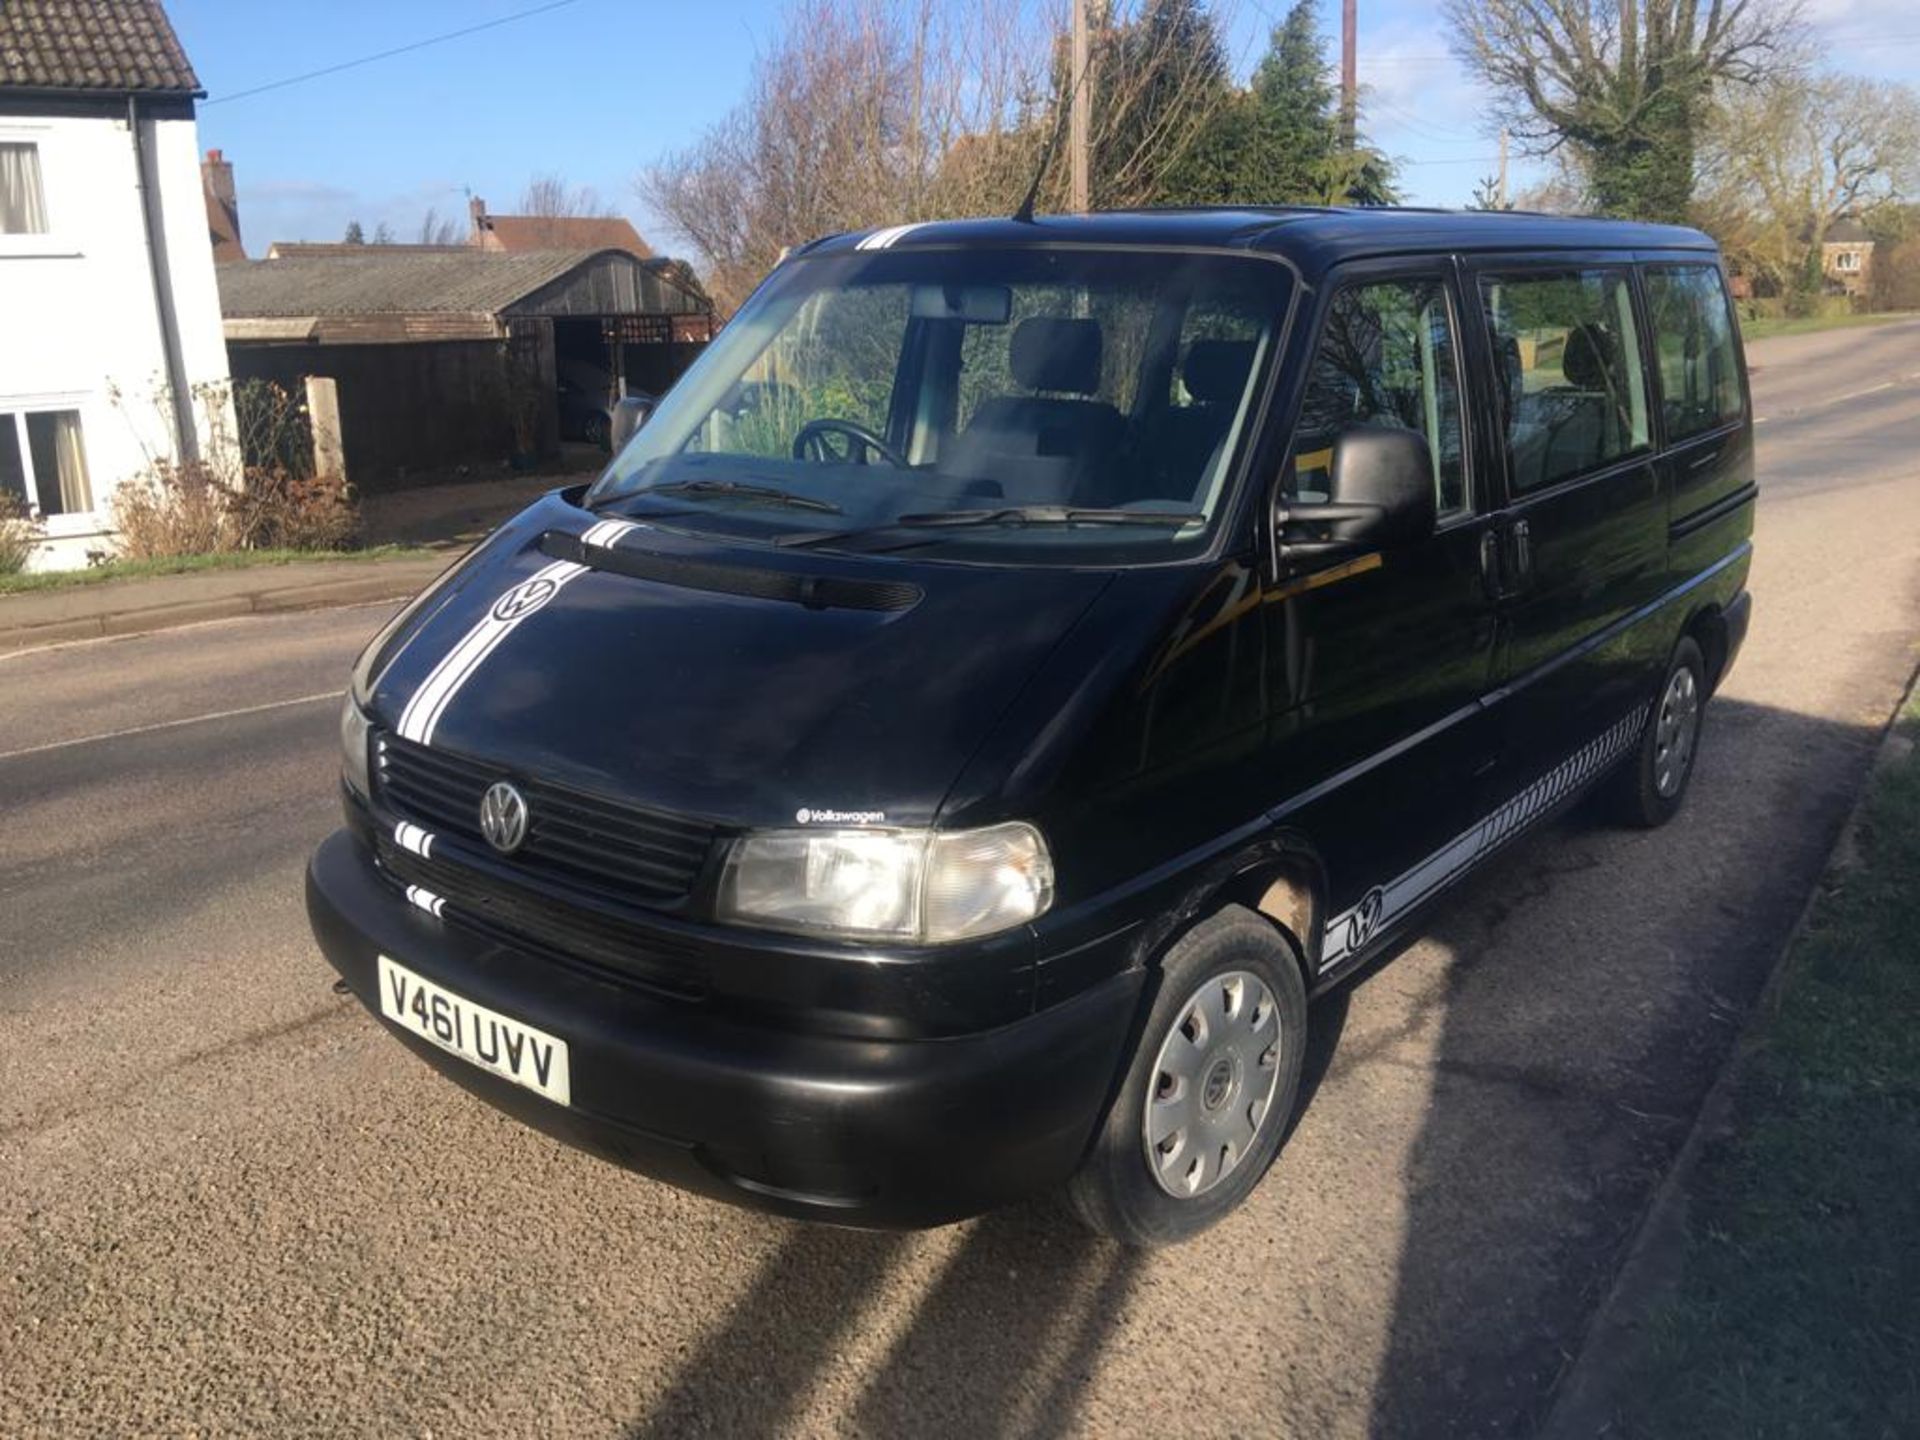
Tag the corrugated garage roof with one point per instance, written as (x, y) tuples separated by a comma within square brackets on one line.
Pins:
[(391, 282), (116, 46)]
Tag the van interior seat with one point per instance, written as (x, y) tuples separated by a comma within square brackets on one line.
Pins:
[(1573, 426), (1182, 440), (1043, 448)]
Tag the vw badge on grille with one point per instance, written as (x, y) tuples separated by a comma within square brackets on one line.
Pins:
[(503, 817)]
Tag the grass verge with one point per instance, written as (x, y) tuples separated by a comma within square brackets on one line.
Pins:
[(188, 564), (1796, 1311), (1766, 327)]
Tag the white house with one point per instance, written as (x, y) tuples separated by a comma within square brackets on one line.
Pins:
[(109, 315)]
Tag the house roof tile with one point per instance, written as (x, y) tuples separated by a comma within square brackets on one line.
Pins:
[(117, 46)]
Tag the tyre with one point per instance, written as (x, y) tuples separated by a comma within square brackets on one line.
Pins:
[(1649, 791), (1210, 1089)]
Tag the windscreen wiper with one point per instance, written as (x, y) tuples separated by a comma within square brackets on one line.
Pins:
[(739, 490), (1012, 515)]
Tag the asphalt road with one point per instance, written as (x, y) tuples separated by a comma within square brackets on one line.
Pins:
[(229, 1203)]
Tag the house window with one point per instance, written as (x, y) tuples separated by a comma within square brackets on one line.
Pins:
[(43, 462), (23, 204), (1847, 260)]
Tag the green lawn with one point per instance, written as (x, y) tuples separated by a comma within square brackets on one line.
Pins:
[(183, 564), (1767, 326), (1797, 1309)]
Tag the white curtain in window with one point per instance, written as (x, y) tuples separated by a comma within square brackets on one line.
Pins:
[(23, 209), (70, 458)]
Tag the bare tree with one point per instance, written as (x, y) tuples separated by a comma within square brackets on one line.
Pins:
[(436, 229), (1785, 160), (552, 198), (864, 113), (1626, 82)]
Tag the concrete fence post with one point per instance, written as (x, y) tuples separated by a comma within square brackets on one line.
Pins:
[(323, 413)]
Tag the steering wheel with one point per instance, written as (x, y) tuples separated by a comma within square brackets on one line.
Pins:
[(810, 443)]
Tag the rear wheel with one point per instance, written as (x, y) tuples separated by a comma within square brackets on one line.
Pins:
[(1650, 790), (1211, 1087)]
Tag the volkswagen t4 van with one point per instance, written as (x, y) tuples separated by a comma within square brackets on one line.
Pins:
[(1017, 668)]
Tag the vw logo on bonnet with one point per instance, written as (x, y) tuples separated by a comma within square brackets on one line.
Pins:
[(525, 598), (503, 817)]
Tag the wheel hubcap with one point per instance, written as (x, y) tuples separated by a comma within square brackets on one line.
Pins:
[(1675, 730), (1211, 1092)]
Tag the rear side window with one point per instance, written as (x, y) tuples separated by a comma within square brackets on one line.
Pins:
[(1567, 355), (1386, 357), (1693, 342)]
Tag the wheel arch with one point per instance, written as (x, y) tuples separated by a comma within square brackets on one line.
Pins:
[(1707, 627), (1280, 878)]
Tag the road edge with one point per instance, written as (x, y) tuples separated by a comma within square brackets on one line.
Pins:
[(322, 595), (1584, 1400)]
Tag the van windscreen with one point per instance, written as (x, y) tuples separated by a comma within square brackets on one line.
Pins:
[(1037, 403)]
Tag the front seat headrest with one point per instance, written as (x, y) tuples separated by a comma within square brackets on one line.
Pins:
[(1054, 352), (1215, 371), (1587, 361)]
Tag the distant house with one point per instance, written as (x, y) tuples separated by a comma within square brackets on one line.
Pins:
[(1846, 257), (109, 318), (448, 355), (517, 234), (223, 208)]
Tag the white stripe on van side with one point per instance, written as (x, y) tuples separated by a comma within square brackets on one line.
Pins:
[(1352, 928)]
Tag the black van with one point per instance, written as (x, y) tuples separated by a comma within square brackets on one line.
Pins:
[(1017, 667)]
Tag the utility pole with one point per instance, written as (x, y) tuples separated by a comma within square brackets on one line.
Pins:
[(1349, 70), (1500, 196), (1080, 116)]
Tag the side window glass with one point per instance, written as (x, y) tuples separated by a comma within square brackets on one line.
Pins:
[(1386, 357), (1693, 343), (1567, 364)]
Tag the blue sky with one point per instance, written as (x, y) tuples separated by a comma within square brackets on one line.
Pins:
[(597, 89)]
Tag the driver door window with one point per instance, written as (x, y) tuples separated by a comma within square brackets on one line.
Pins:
[(1387, 356), (837, 359)]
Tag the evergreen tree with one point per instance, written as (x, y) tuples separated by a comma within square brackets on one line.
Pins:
[(1291, 150), (355, 235)]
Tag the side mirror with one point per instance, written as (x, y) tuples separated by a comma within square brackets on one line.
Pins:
[(1380, 494), (629, 414)]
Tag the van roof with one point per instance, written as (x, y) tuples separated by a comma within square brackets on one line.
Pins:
[(1313, 237)]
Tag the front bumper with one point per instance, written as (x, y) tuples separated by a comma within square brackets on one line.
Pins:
[(886, 1133)]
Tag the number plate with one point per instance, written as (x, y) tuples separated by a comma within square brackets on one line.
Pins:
[(509, 1048)]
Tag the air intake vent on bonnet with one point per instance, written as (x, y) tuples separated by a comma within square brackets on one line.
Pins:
[(816, 592)]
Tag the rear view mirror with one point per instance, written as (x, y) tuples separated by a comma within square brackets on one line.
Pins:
[(970, 304), (628, 416), (1380, 494)]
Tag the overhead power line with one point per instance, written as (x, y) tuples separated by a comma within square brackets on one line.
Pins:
[(389, 54)]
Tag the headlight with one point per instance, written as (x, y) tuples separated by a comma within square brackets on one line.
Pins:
[(353, 748), (916, 885)]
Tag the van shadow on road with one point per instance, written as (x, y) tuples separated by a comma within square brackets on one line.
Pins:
[(1002, 1343), (1589, 984), (1571, 1045)]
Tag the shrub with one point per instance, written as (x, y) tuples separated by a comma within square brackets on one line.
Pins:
[(173, 510), (18, 535), (188, 509)]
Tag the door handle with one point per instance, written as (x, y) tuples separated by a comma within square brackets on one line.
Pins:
[(1490, 565), (1700, 462), (1522, 553)]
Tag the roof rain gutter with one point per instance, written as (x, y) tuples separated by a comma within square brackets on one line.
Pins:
[(186, 435)]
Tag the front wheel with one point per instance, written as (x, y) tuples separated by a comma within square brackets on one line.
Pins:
[(1212, 1085)]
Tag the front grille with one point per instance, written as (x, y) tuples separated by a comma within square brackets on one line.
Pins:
[(530, 920), (620, 850)]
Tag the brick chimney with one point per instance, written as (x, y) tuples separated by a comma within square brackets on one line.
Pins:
[(223, 210), (477, 226)]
